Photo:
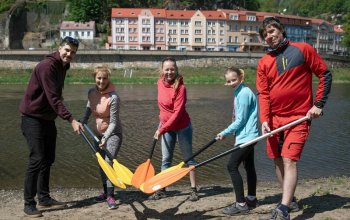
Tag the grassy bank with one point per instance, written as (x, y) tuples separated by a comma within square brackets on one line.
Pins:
[(150, 76)]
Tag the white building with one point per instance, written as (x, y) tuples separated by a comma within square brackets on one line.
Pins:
[(82, 31)]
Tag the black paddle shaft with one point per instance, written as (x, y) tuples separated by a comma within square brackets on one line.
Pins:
[(253, 141), (201, 150), (152, 148), (87, 141), (109, 155)]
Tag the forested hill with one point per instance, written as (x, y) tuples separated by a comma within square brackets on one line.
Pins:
[(334, 11)]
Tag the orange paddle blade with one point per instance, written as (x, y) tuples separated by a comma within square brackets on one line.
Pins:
[(143, 172), (160, 181)]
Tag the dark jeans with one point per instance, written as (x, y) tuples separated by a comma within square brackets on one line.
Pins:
[(245, 155), (41, 140)]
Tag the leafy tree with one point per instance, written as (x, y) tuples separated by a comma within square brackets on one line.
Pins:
[(346, 39), (85, 10)]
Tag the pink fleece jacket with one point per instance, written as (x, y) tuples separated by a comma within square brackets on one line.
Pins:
[(172, 105)]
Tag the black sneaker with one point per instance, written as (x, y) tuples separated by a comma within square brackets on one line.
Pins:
[(252, 203), (158, 195), (236, 209), (193, 196), (32, 211), (52, 204), (293, 206), (277, 214)]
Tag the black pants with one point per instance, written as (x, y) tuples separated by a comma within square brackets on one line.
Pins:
[(41, 140), (245, 155)]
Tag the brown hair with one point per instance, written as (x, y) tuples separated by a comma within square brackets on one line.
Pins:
[(271, 21), (102, 68), (232, 69), (178, 76)]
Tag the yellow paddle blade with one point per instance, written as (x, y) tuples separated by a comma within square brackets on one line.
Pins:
[(176, 167), (108, 170), (122, 172), (142, 187)]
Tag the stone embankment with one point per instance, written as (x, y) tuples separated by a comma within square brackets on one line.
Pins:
[(27, 59)]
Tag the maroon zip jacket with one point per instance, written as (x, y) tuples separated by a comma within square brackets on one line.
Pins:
[(43, 97)]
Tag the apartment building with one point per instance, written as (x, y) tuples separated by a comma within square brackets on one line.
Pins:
[(209, 30)]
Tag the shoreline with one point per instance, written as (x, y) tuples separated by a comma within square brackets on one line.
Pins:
[(321, 198)]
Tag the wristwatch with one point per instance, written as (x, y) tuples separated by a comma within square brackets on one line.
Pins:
[(319, 104)]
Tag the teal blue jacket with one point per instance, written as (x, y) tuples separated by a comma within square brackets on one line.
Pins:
[(245, 126)]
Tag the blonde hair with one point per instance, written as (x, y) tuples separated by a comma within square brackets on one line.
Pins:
[(102, 68), (179, 77), (240, 73)]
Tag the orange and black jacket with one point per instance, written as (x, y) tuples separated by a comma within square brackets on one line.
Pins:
[(284, 81)]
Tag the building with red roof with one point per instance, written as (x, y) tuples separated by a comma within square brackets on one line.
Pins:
[(212, 30)]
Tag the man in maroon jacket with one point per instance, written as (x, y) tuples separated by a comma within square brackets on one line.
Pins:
[(284, 84), (41, 104)]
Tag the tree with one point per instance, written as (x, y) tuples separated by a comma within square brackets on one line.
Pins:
[(346, 39), (85, 10)]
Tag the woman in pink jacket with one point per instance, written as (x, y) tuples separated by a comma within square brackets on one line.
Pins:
[(175, 123)]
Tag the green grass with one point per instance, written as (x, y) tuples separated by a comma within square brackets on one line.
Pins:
[(150, 76)]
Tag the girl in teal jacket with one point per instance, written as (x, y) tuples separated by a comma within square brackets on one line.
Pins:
[(244, 127)]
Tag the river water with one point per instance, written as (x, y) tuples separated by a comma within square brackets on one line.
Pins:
[(326, 153)]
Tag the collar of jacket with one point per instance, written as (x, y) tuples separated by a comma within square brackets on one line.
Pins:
[(280, 47)]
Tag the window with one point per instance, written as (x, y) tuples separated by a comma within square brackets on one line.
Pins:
[(184, 31), (230, 39), (184, 23), (234, 17), (146, 21), (198, 40), (184, 40), (145, 30), (197, 31), (172, 23), (251, 18), (211, 23), (198, 23)]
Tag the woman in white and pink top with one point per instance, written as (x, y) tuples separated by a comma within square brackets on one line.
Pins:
[(104, 103)]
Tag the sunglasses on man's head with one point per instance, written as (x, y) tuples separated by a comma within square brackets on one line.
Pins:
[(71, 40)]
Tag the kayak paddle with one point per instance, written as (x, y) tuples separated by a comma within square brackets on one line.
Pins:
[(158, 182), (121, 171), (107, 169)]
